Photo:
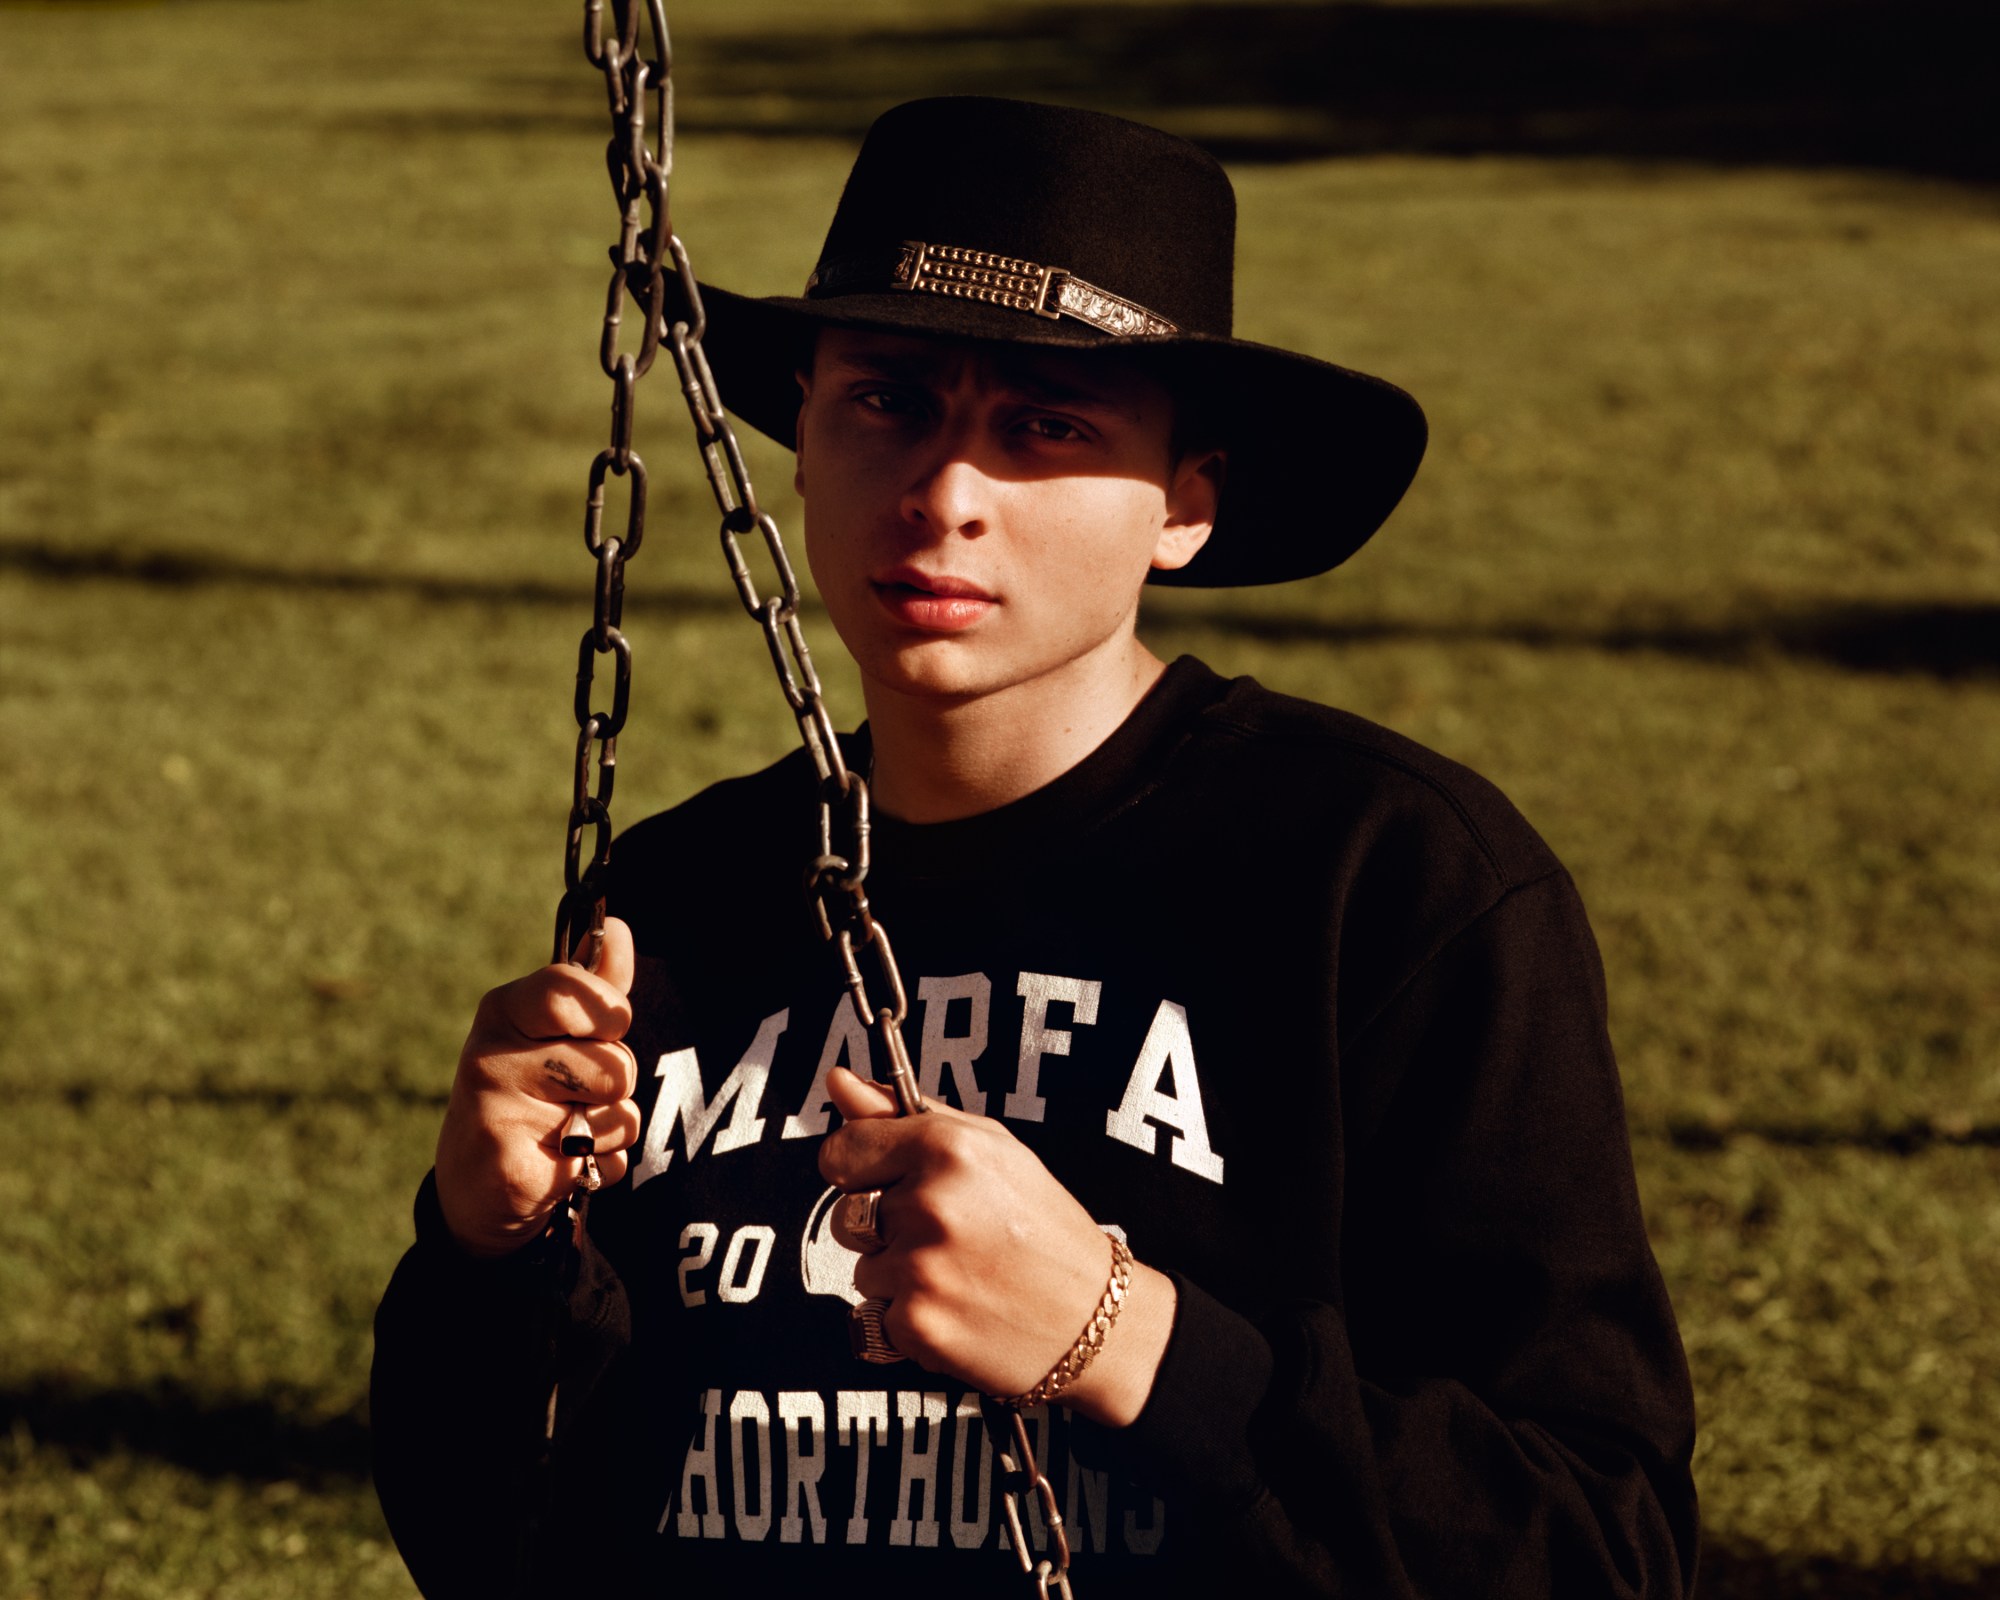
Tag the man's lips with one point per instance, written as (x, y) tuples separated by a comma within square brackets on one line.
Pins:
[(931, 601), (942, 584)]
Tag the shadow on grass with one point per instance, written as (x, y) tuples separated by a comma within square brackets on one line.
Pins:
[(1887, 83), (1911, 1137), (1940, 639), (1734, 1572), (264, 1439), (169, 569)]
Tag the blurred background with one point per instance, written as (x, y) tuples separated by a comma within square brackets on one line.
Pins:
[(298, 310)]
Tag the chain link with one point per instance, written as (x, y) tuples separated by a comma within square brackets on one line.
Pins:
[(638, 171), (1019, 1477), (650, 270)]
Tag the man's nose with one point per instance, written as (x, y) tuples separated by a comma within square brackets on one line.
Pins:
[(951, 491)]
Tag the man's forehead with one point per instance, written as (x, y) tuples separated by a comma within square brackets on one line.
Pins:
[(1105, 378)]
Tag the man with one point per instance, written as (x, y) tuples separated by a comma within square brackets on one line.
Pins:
[(1305, 1016)]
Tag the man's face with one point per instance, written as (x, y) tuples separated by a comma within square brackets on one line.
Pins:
[(979, 516)]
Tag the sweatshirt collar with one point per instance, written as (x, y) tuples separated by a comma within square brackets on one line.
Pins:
[(1116, 774)]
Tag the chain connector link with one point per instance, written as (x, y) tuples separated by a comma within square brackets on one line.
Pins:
[(624, 400), (579, 927), (606, 465), (689, 328), (610, 608), (620, 650), (587, 740)]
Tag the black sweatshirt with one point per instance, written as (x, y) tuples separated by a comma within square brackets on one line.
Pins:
[(1306, 1011)]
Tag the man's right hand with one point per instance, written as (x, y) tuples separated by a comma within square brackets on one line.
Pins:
[(541, 1048)]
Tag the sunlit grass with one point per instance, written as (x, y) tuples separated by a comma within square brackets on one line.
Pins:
[(293, 294)]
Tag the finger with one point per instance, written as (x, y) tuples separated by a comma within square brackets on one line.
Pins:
[(856, 1098), (875, 1152), (615, 955), (592, 1141), (611, 1128), (876, 1278), (859, 1098), (570, 1072), (843, 1230), (560, 1002)]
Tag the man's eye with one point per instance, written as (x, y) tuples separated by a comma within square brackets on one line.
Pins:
[(891, 402), (1056, 428)]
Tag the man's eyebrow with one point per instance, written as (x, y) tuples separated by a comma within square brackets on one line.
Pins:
[(1049, 390), (1018, 377), (891, 366)]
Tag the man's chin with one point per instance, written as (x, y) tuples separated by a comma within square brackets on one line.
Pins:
[(946, 669)]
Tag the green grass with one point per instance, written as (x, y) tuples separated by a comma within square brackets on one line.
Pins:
[(298, 308), (1836, 1307)]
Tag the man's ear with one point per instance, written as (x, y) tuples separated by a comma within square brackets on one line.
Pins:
[(804, 378), (1192, 498)]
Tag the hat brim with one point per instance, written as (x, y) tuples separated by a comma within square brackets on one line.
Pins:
[(1318, 455)]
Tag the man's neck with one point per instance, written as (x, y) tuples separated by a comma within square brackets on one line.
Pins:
[(937, 760)]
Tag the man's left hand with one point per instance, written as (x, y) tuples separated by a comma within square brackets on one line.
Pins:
[(990, 1267)]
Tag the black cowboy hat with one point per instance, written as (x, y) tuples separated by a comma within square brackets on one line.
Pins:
[(1032, 224)]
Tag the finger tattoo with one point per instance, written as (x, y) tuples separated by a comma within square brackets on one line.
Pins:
[(563, 1074)]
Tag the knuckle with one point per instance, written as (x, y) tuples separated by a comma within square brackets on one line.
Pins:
[(952, 1138), (582, 1072), (921, 1275), (562, 1017), (492, 1004), (947, 1146), (917, 1213), (914, 1327), (628, 1071)]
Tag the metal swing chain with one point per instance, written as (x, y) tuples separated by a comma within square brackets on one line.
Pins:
[(646, 251), (639, 183)]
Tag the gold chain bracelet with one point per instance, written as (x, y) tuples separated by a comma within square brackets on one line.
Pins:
[(1091, 1340)]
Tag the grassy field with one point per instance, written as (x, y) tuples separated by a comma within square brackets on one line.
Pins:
[(298, 307)]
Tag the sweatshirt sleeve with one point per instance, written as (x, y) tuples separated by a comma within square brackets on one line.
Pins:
[(466, 1353), (1501, 1406)]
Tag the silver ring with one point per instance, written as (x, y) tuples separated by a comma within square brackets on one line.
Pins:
[(861, 1217), (867, 1337), (578, 1140)]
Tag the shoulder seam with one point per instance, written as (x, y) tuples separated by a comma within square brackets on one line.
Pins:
[(1243, 730), (1430, 956)]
